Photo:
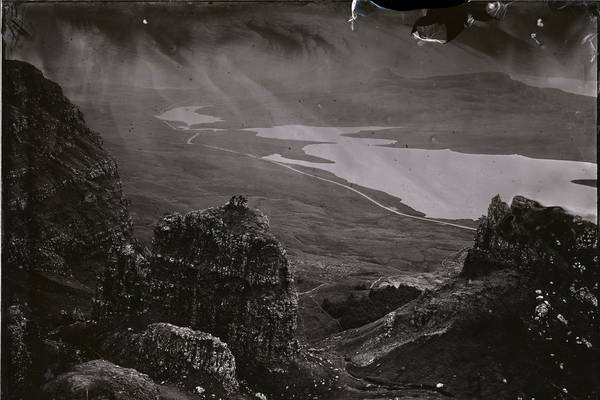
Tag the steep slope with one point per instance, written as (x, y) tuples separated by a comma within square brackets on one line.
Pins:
[(284, 39), (223, 272), (62, 212), (64, 221), (218, 270), (520, 321), (62, 203), (100, 379)]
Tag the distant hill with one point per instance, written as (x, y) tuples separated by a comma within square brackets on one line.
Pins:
[(188, 45)]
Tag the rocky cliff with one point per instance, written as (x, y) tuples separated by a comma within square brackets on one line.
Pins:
[(62, 212), (62, 204), (521, 320), (220, 271), (181, 356), (530, 237), (65, 223)]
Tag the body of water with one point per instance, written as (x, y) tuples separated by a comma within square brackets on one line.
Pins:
[(440, 183), (188, 116)]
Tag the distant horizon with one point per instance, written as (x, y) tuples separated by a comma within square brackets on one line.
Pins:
[(585, 88), (75, 42)]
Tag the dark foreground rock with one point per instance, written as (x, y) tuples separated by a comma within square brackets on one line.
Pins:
[(62, 212), (100, 379), (522, 320), (180, 356), (16, 357), (219, 271), (65, 222), (61, 191)]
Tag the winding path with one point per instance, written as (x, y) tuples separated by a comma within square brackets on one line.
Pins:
[(372, 200), (312, 290), (378, 204)]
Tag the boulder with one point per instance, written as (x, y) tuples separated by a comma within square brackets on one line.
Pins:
[(62, 212), (176, 355), (100, 379), (62, 197)]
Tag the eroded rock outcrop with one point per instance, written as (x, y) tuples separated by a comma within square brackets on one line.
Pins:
[(219, 271), (62, 212), (177, 355), (521, 320), (530, 237), (16, 358), (100, 379), (62, 203), (557, 254), (65, 221)]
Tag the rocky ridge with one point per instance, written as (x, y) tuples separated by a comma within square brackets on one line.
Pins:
[(62, 198), (181, 356), (212, 304), (217, 272), (62, 213), (521, 320)]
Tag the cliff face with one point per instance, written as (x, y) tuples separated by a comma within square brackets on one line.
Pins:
[(530, 237), (557, 254), (181, 356), (522, 320), (100, 379), (62, 203), (62, 212), (65, 221), (220, 271), (17, 355)]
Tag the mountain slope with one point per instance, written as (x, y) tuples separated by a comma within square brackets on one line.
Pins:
[(62, 213), (520, 321), (62, 203), (66, 221), (285, 39)]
